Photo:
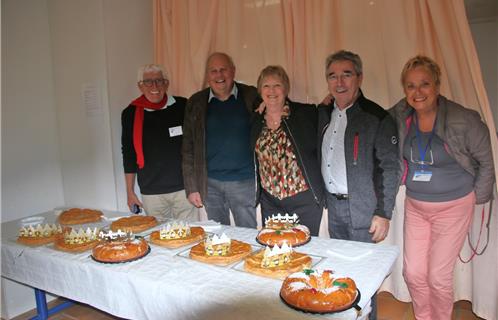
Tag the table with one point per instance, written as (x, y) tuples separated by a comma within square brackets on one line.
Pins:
[(166, 285)]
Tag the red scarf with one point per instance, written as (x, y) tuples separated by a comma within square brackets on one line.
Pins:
[(140, 104)]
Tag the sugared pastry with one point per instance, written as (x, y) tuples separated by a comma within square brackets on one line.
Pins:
[(177, 235), (119, 247), (283, 228), (318, 291), (277, 262), (80, 216), (39, 234), (77, 240), (220, 250), (134, 224)]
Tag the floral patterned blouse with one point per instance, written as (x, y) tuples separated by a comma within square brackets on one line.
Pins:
[(279, 171)]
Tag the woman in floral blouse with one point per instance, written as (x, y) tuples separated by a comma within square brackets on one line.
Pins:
[(284, 141)]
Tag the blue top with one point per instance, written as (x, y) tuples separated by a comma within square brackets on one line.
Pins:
[(229, 156), (449, 181)]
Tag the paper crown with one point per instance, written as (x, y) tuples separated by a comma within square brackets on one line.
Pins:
[(282, 219), (174, 231), (276, 256), (81, 236), (40, 231), (217, 246)]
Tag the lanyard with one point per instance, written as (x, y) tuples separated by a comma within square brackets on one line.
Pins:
[(423, 152)]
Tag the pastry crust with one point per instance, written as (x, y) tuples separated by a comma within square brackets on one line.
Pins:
[(295, 236), (134, 224), (238, 250), (80, 216), (196, 234), (319, 292), (36, 241), (121, 250), (299, 261)]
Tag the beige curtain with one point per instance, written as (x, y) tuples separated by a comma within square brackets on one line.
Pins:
[(299, 34)]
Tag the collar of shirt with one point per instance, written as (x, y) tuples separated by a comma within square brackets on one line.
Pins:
[(343, 110), (171, 101), (235, 93)]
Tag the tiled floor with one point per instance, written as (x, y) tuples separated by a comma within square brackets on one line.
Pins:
[(388, 309)]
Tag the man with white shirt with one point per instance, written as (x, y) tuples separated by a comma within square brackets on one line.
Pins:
[(151, 145), (218, 163), (358, 146)]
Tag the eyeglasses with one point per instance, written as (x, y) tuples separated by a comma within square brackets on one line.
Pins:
[(419, 161), (345, 76), (150, 82)]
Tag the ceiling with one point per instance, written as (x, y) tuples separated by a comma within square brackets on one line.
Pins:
[(481, 9)]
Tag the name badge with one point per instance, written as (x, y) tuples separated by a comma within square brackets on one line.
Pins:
[(175, 131), (422, 176)]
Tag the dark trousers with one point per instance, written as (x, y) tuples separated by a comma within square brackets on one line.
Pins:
[(303, 204), (340, 227)]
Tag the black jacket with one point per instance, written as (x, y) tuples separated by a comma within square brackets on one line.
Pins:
[(301, 128)]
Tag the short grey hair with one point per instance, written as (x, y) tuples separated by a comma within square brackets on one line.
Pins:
[(150, 68), (221, 54), (343, 55)]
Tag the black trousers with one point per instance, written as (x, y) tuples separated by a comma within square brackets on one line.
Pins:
[(303, 204)]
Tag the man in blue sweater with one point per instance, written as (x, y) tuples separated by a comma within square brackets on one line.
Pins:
[(218, 164)]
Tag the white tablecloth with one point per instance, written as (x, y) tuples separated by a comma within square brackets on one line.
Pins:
[(165, 285)]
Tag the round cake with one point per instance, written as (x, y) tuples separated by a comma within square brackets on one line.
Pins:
[(121, 250), (80, 216), (238, 250), (298, 261), (80, 240), (318, 291), (39, 234), (280, 229), (195, 234), (134, 224)]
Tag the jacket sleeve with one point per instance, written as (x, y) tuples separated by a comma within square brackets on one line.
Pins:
[(127, 148), (479, 145), (188, 149), (387, 167)]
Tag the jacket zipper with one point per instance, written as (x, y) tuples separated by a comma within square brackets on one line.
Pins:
[(301, 159)]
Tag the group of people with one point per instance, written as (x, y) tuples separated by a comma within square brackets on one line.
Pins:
[(233, 146)]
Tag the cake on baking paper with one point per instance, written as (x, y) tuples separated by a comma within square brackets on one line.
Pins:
[(277, 262), (77, 240), (119, 246), (177, 235), (220, 250), (39, 234), (283, 228), (319, 291)]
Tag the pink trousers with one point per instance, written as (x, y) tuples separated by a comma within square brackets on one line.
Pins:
[(433, 237)]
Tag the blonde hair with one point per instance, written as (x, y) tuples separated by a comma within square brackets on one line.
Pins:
[(276, 71), (424, 62)]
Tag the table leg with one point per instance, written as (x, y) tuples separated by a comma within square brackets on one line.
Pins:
[(42, 308)]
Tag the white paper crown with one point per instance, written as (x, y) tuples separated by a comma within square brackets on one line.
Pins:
[(276, 250), (111, 235), (280, 218), (214, 240)]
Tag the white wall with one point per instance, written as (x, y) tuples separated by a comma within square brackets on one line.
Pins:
[(55, 152), (31, 167), (485, 33)]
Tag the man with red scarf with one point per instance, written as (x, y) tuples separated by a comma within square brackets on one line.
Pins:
[(151, 146)]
